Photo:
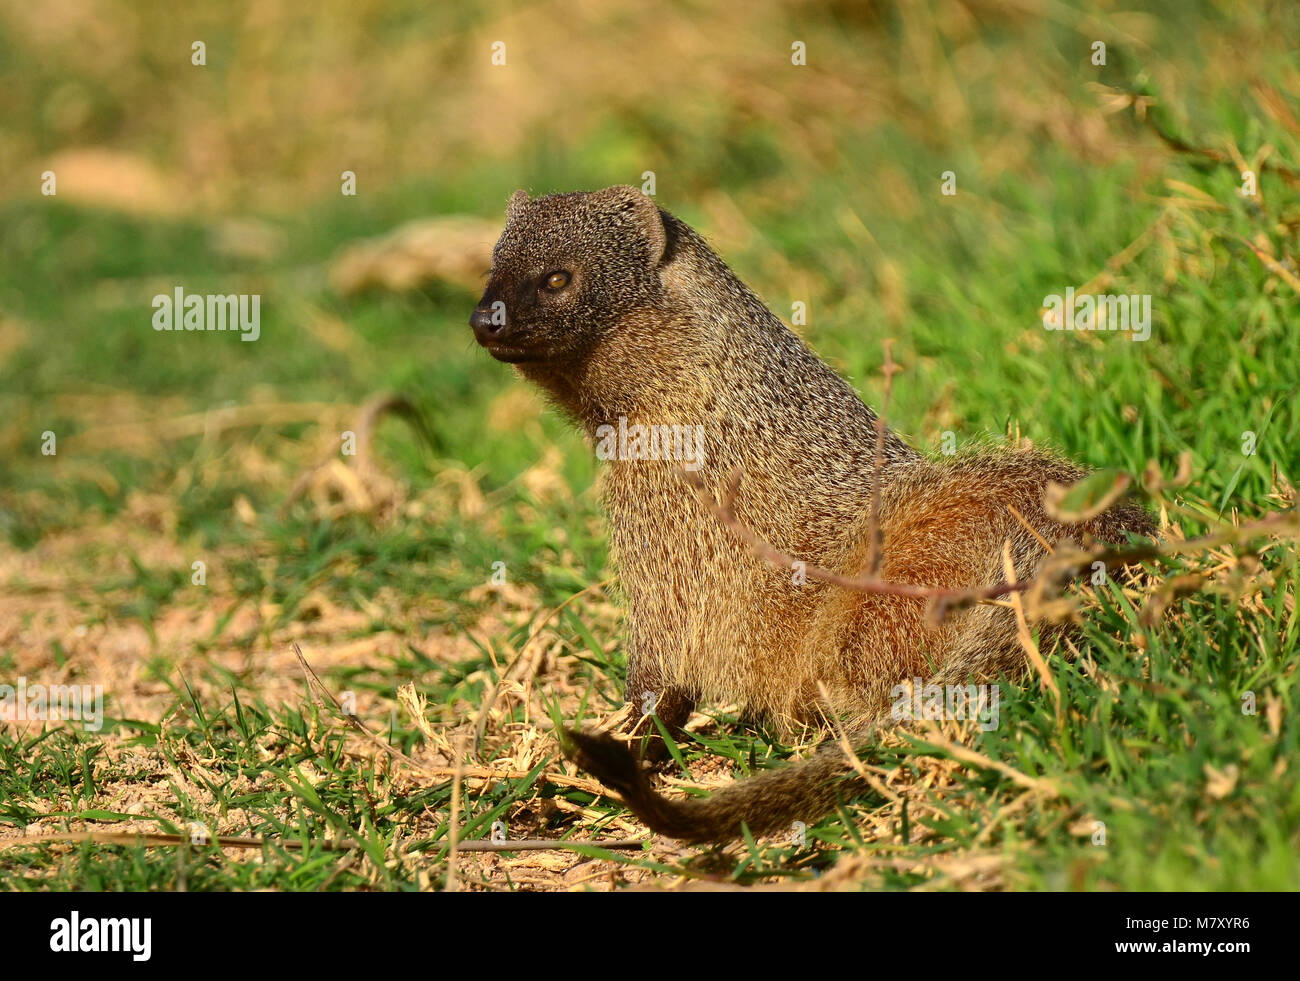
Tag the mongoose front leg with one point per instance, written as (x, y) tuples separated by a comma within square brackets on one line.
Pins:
[(648, 694)]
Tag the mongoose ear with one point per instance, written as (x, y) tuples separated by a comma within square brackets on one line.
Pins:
[(518, 201), (644, 214)]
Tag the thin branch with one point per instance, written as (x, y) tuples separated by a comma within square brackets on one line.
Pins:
[(725, 513), (158, 839), (1056, 567), (550, 844)]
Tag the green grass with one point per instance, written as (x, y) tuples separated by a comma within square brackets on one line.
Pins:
[(866, 239)]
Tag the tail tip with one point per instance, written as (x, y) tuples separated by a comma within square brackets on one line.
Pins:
[(604, 757)]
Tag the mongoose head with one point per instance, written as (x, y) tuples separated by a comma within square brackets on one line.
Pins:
[(566, 271)]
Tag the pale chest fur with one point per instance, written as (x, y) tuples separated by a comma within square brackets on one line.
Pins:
[(719, 622)]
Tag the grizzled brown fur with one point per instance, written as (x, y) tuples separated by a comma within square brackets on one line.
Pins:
[(651, 325)]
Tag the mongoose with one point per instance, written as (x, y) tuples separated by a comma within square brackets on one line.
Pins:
[(625, 318)]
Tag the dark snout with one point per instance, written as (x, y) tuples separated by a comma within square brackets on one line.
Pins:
[(489, 318), (489, 324), (494, 330)]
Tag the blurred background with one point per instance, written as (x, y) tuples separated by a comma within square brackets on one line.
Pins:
[(819, 182)]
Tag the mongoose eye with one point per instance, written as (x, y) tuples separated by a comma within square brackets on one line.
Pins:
[(557, 280)]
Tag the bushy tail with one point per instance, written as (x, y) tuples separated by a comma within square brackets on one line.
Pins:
[(767, 803)]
